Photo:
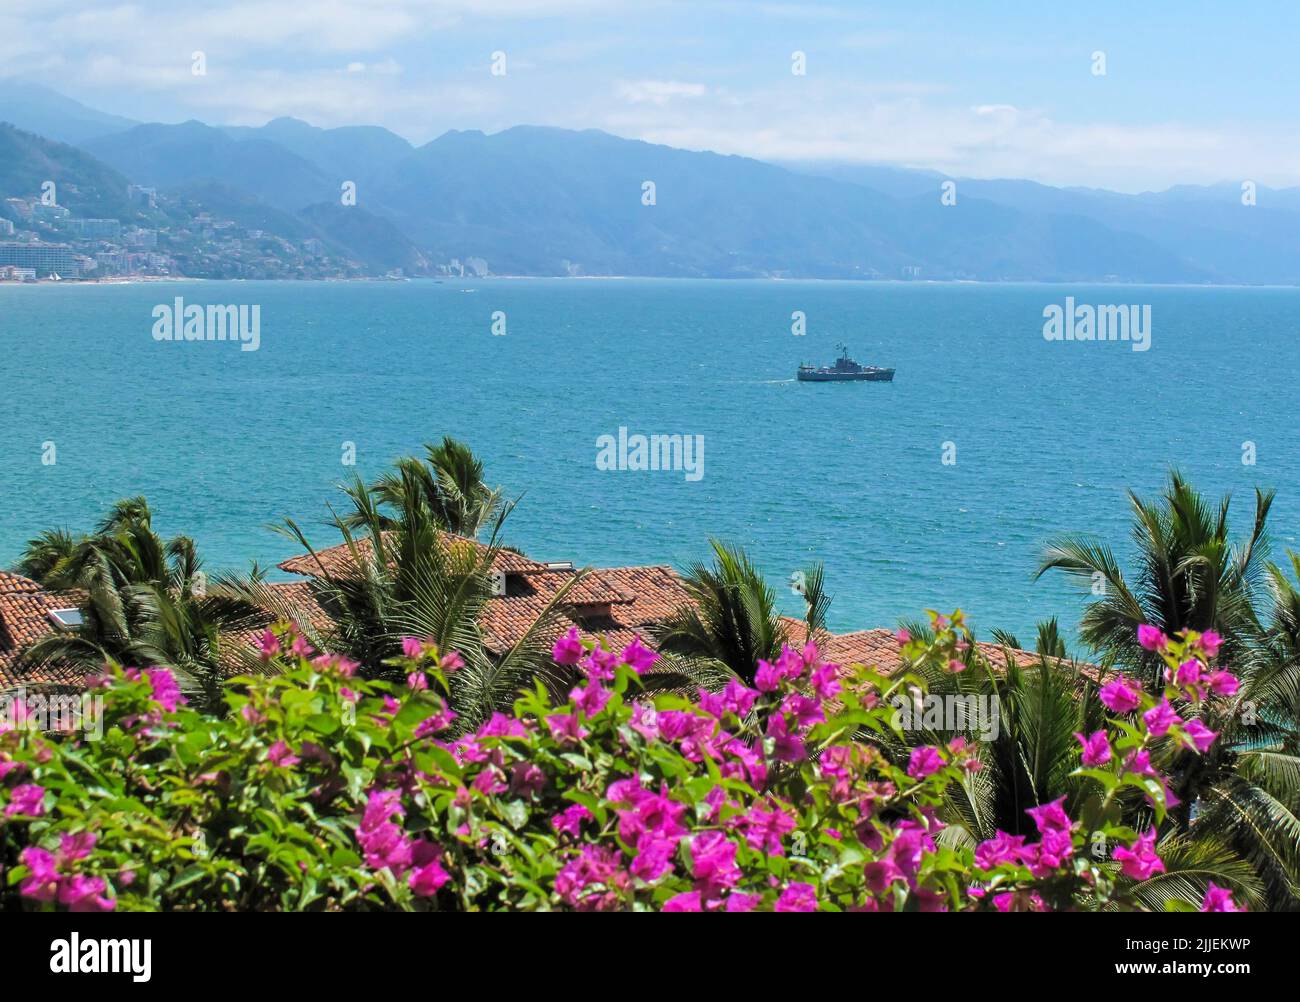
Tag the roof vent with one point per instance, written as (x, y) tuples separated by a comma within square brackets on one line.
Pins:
[(559, 565), (65, 619)]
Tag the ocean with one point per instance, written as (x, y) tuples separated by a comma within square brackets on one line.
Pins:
[(937, 490)]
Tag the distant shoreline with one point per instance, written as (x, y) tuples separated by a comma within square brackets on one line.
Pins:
[(161, 279)]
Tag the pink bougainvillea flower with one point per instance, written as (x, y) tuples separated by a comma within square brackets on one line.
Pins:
[(1019, 901), (417, 681), (7, 766), (500, 726), (1222, 683), (1219, 899), (594, 866), (591, 699), (451, 661), (81, 893), (637, 656), (569, 821), (903, 637), (1120, 696), (300, 647), (677, 724), (786, 746), (768, 677), (738, 901), (736, 697), (955, 666), (930, 901), (645, 721), (489, 781), (42, 883), (76, 846), (687, 901), (1000, 849), (790, 663), (654, 856), (764, 829), (268, 645), (1187, 674), (436, 722), (381, 806), (825, 681), (880, 874), (1051, 816), (713, 859), (657, 813), (412, 647), (911, 842), (568, 650), (1140, 763), (600, 665), (1209, 642), (1140, 861), (1096, 749), (166, 690), (566, 727), (1152, 638), (1160, 718), (1202, 737), (1052, 851), (797, 898), (527, 779), (27, 799), (281, 756), (806, 710), (427, 874), (425, 880), (924, 761)]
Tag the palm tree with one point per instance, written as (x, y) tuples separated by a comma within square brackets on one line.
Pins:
[(1032, 757), (407, 576), (1245, 792), (731, 620), (1189, 576), (450, 483), (147, 603)]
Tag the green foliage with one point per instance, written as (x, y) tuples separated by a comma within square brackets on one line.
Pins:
[(324, 790)]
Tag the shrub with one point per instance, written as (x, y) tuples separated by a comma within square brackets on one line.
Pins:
[(320, 790)]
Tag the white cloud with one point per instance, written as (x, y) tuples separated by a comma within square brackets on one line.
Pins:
[(658, 92), (420, 67)]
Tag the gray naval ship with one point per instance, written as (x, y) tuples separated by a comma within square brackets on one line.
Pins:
[(844, 369)]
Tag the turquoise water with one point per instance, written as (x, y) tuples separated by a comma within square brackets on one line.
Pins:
[(1048, 436)]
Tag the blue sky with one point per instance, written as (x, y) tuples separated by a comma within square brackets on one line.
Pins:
[(1193, 92)]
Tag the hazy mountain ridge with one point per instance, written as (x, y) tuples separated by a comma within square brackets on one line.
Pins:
[(82, 183), (545, 201)]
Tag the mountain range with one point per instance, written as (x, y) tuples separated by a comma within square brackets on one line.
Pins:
[(547, 201)]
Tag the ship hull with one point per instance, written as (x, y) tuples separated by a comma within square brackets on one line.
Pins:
[(814, 376)]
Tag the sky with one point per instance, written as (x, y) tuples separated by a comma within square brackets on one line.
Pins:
[(1192, 92)]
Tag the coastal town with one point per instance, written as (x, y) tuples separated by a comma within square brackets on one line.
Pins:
[(170, 237)]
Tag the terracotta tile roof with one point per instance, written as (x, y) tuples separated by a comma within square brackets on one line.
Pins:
[(627, 601), (878, 648), (338, 560), (611, 603), (595, 588), (636, 597), (16, 582), (24, 619), (657, 592), (302, 596)]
